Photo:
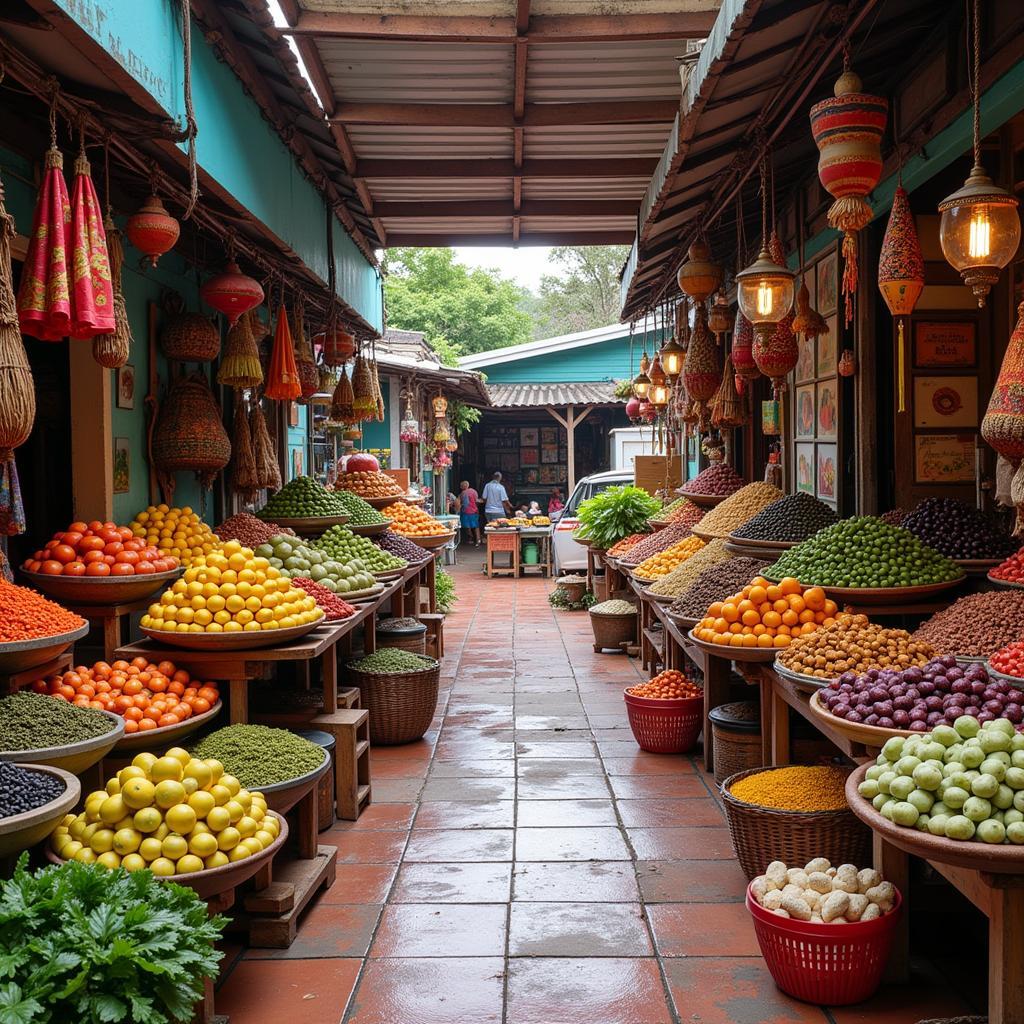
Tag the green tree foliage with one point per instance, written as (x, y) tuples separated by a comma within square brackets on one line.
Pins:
[(461, 310), (585, 292)]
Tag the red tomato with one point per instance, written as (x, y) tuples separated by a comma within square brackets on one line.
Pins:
[(109, 559), (113, 547), (77, 528), (34, 565), (143, 567), (64, 553), (97, 569), (91, 544), (93, 556), (127, 557), (74, 569), (72, 538), (109, 535), (51, 567), (125, 532), (95, 526), (134, 545), (122, 569)]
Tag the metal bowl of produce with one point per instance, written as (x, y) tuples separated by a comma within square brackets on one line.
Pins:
[(101, 590), (20, 831), (370, 529), (20, 655), (72, 757)]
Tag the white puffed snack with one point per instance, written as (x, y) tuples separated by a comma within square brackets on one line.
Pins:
[(772, 899), (759, 886), (776, 871), (867, 878), (858, 904), (883, 894), (819, 881), (811, 898), (780, 912), (846, 879), (836, 904), (797, 876), (816, 919), (818, 864), (792, 889), (796, 907), (871, 911)]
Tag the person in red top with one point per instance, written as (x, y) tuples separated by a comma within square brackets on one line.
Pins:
[(555, 501), (469, 511)]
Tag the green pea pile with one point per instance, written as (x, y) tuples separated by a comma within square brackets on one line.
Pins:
[(341, 544), (259, 756), (303, 498), (361, 513), (36, 721), (864, 552), (389, 660)]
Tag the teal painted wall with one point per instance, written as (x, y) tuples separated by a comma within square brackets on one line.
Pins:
[(378, 435), (236, 146), (297, 442), (609, 360)]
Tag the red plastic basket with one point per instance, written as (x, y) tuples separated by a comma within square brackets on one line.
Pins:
[(825, 964), (665, 726)]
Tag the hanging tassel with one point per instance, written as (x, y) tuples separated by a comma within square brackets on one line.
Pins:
[(849, 273), (901, 367), (245, 475), (113, 350)]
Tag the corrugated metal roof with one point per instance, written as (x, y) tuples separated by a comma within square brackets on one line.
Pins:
[(528, 396), (425, 142)]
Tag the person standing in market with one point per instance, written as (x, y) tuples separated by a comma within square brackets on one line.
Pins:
[(496, 503), (469, 512), (555, 501)]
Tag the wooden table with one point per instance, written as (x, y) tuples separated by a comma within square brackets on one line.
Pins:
[(113, 617), (55, 666), (542, 534)]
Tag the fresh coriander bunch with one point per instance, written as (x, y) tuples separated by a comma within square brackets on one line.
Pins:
[(614, 514)]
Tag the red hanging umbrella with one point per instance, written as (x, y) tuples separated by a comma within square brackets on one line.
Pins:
[(92, 294), (283, 379), (44, 300)]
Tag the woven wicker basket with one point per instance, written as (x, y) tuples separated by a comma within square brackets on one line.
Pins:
[(763, 834), (190, 338), (612, 631), (736, 734), (407, 639), (401, 705)]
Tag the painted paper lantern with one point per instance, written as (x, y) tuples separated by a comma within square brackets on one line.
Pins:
[(231, 292), (647, 412), (776, 352), (152, 230), (633, 410), (282, 380), (743, 349), (338, 345), (440, 405), (699, 276), (848, 129)]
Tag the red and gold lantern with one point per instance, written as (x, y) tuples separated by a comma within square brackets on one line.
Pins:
[(231, 292), (152, 230), (701, 375), (776, 352), (338, 345), (743, 351), (848, 129)]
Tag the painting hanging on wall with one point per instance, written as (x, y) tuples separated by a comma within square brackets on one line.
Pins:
[(805, 411), (529, 457), (529, 437), (827, 346), (944, 459), (549, 435), (827, 472), (122, 465), (828, 283), (125, 382), (549, 453), (946, 402), (942, 344), (828, 410), (805, 468), (805, 360)]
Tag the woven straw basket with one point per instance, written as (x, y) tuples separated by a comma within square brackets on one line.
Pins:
[(401, 705)]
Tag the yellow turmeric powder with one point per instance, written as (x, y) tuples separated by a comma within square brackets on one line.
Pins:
[(796, 788)]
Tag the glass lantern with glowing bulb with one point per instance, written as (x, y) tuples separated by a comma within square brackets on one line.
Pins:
[(659, 392), (440, 405), (765, 292), (671, 357), (641, 382)]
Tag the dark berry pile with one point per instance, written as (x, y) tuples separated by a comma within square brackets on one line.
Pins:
[(958, 530), (401, 546), (792, 518), (24, 790), (718, 478)]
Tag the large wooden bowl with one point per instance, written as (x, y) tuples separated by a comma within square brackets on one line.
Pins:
[(242, 641), (380, 503), (213, 881), (100, 590), (885, 595), (1003, 859), (704, 500), (310, 526), (750, 654), (802, 681), (858, 732), (21, 831), (1004, 583), (370, 529), (160, 739), (72, 757), (21, 655), (283, 796), (704, 535), (365, 594), (436, 540)]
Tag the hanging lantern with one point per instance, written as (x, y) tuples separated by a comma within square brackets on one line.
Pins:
[(765, 293), (848, 129), (776, 352), (441, 432), (633, 410), (901, 278), (659, 391), (641, 382), (701, 375), (847, 363), (647, 411), (231, 292), (282, 381), (451, 445), (980, 229), (152, 230), (338, 346), (440, 404), (743, 350), (1003, 424), (720, 317), (807, 321), (672, 352), (699, 276)]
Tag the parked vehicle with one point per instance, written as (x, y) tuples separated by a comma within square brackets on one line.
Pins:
[(567, 554)]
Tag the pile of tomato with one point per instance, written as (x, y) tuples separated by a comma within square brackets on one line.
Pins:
[(668, 685), (147, 695), (1012, 570), (1009, 660), (99, 549)]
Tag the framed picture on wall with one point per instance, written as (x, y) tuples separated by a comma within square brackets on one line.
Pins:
[(549, 435), (945, 402), (529, 457), (125, 383), (549, 453), (529, 437), (805, 468), (941, 344), (805, 359), (552, 474), (944, 458), (805, 411), (531, 476), (122, 465), (828, 409), (827, 471), (508, 463), (828, 283), (827, 345)]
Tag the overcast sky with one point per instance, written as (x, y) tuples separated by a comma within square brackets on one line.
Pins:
[(525, 266)]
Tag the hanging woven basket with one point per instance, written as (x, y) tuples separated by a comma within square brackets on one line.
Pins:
[(267, 469), (245, 478), (701, 375), (240, 367), (338, 345), (190, 338), (743, 349), (727, 407), (188, 434), (342, 410), (364, 402), (114, 349), (305, 362)]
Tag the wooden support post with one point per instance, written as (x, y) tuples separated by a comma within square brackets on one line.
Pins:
[(716, 692), (894, 866), (1005, 949), (92, 436), (570, 421)]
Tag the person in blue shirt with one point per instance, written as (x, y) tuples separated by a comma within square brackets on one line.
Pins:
[(496, 503)]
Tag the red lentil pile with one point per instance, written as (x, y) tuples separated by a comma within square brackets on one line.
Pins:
[(248, 530), (334, 607), (26, 615)]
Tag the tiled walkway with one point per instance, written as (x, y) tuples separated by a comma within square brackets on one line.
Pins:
[(527, 864)]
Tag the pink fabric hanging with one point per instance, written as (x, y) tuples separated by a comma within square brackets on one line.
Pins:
[(92, 294)]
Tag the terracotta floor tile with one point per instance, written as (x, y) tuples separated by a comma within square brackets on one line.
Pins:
[(698, 843), (380, 818), (904, 1004), (429, 991), (578, 929), (672, 787), (366, 847), (441, 930), (481, 750), (474, 845), (575, 882), (476, 790), (544, 787), (466, 814), (733, 990), (555, 749), (311, 991), (648, 764), (560, 768), (395, 791), (565, 813), (586, 991), (663, 813), (691, 881), (570, 844), (360, 883), (470, 769), (453, 883), (328, 930), (703, 929)]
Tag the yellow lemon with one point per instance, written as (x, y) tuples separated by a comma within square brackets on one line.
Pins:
[(216, 860), (168, 793), (221, 794), (70, 849), (162, 832), (174, 847), (131, 772), (138, 792), (166, 768), (162, 867), (113, 809), (87, 856), (246, 826), (109, 860), (228, 838), (147, 819), (230, 783), (235, 809), (238, 853), (133, 862), (181, 818), (113, 787), (102, 840), (144, 761), (78, 826), (203, 845), (264, 838), (188, 864), (217, 818), (190, 785), (150, 848), (179, 754), (127, 840), (202, 803), (252, 844)]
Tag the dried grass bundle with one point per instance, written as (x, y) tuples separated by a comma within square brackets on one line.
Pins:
[(17, 390), (240, 367), (305, 361), (727, 407), (245, 476), (112, 350), (343, 400), (364, 402), (378, 395), (267, 470)]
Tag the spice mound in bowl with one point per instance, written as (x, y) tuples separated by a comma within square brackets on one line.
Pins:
[(258, 755), (718, 478), (23, 790), (792, 518), (958, 530), (738, 508), (34, 721), (977, 625), (795, 788)]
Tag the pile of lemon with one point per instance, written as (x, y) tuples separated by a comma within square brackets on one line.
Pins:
[(175, 531), (230, 591), (173, 814)]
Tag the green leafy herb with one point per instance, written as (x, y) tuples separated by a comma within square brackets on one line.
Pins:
[(616, 513), (444, 590), (82, 943)]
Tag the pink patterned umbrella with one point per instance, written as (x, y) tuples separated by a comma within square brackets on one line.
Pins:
[(92, 294)]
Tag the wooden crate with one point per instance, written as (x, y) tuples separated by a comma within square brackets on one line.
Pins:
[(656, 472)]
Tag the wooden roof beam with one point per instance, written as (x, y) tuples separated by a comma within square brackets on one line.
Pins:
[(609, 167), (607, 236), (500, 115), (440, 209), (554, 28)]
